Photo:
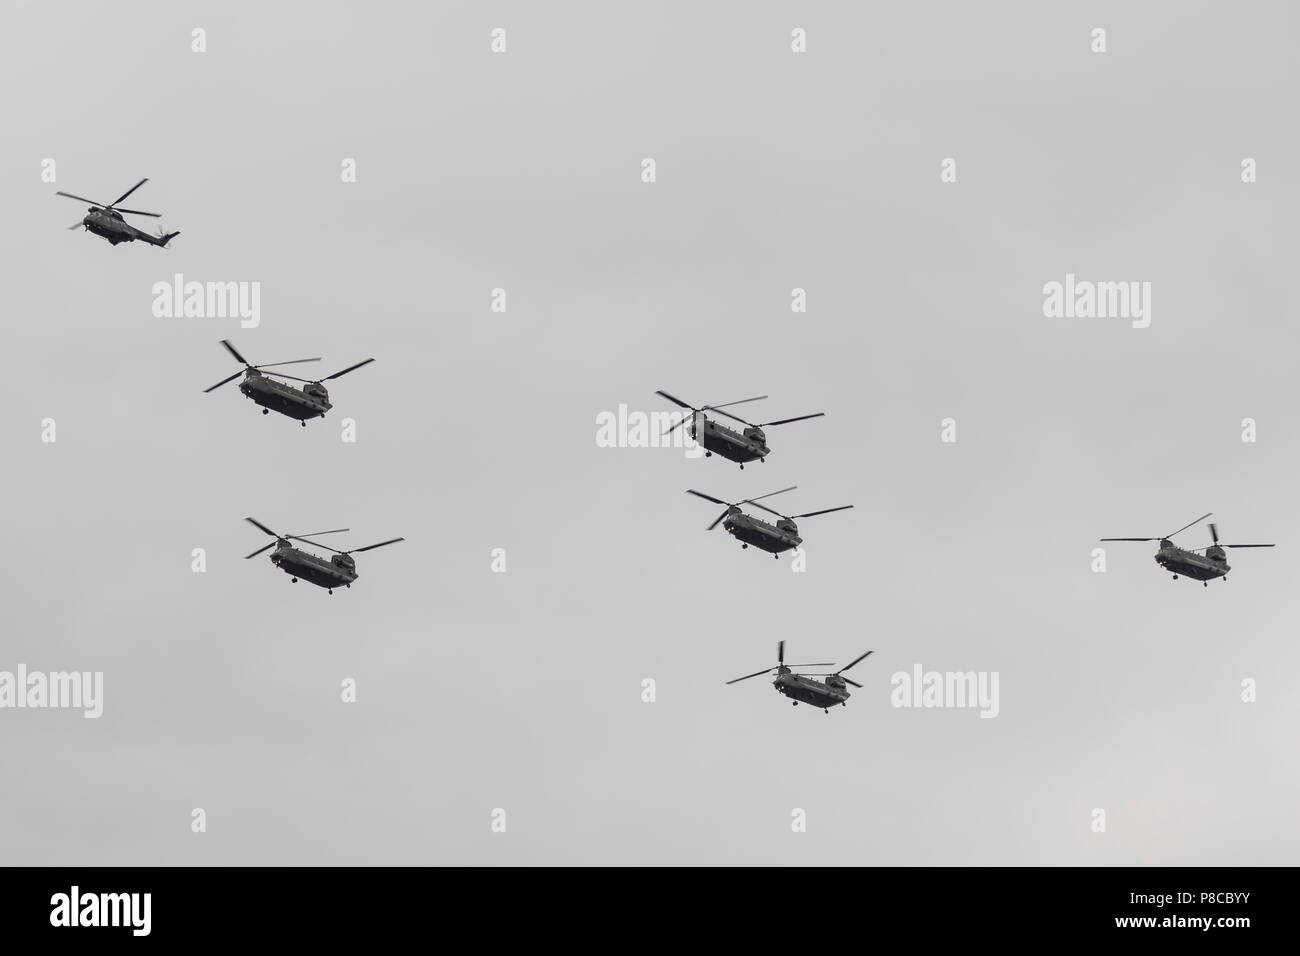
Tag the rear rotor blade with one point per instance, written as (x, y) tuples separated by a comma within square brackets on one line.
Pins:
[(1128, 539), (675, 401), (294, 362), (780, 652), (371, 547), (818, 664), (128, 192), (823, 512), (137, 212), (1190, 523), (1214, 532), (853, 682), (771, 493), (315, 533), (294, 377), (714, 408), (855, 660), (80, 199), (734, 418), (260, 550), (231, 349), (254, 521), (350, 368), (787, 421), (700, 494), (1249, 546), (315, 544), (748, 676), (225, 380)]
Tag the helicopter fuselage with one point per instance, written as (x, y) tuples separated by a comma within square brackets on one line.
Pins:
[(1189, 564), (336, 572), (297, 403), (732, 445), (808, 691), (110, 225), (773, 539)]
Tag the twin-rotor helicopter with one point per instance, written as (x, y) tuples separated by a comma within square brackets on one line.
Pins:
[(1194, 564), (310, 401), (339, 571), (105, 220), (748, 529), (737, 446), (800, 687)]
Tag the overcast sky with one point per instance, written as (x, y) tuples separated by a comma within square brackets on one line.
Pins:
[(476, 430)]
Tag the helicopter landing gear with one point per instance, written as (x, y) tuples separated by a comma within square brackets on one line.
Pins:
[(1205, 584), (347, 585), (743, 547), (293, 581), (708, 454), (742, 467), (1175, 577), (303, 424), (761, 460), (826, 711), (794, 703), (777, 557), (266, 411), (331, 590)]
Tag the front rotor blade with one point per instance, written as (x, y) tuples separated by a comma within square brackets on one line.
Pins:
[(259, 524), (294, 377), (734, 418), (854, 661), (853, 682), (80, 199), (315, 533), (1128, 539), (231, 349), (371, 547), (294, 362), (823, 512), (787, 421), (78, 224), (764, 507), (700, 494), (819, 664), (128, 192), (225, 380), (719, 518), (674, 428), (756, 398), (1214, 532), (315, 544), (770, 494), (1190, 523), (1249, 546), (259, 551), (780, 652), (748, 676), (350, 368), (137, 212), (676, 401)]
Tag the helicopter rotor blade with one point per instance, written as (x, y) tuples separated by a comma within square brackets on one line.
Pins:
[(855, 660), (675, 401), (1190, 523), (734, 418), (78, 224), (294, 377), (317, 533), (1214, 532), (1248, 546), (819, 664), (137, 212), (350, 368), (80, 199), (719, 518), (371, 547), (780, 653), (748, 676), (260, 550), (853, 682), (714, 408), (771, 493), (824, 511), (128, 192), (231, 349), (673, 428), (254, 521), (1128, 539), (765, 508), (787, 421), (316, 544), (700, 494), (294, 362), (225, 380)]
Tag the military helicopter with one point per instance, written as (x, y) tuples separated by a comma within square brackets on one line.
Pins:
[(782, 536), (338, 570), (105, 220), (735, 446), (1201, 567), (310, 401), (824, 694)]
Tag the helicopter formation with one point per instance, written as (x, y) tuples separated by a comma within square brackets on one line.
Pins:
[(1192, 563)]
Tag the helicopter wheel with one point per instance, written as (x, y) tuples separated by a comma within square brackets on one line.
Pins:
[(1205, 584), (1175, 577), (294, 581), (347, 585), (742, 467), (331, 590), (743, 547), (777, 557), (794, 703), (708, 454), (266, 411), (303, 424)]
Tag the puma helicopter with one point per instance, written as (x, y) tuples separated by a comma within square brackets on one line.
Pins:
[(105, 220)]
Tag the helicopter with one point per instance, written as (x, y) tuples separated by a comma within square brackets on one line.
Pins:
[(310, 401), (338, 570), (740, 447), (783, 536), (1201, 567), (824, 694), (105, 220)]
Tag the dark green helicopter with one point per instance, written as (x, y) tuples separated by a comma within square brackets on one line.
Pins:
[(1191, 564), (339, 571), (749, 445), (310, 401), (799, 687), (783, 536), (105, 220)]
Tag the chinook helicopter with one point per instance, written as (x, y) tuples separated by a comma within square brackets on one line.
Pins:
[(310, 401), (740, 447), (783, 536), (824, 694), (1200, 567), (340, 570), (105, 220)]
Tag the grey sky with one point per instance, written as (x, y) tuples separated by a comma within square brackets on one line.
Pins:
[(476, 430)]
